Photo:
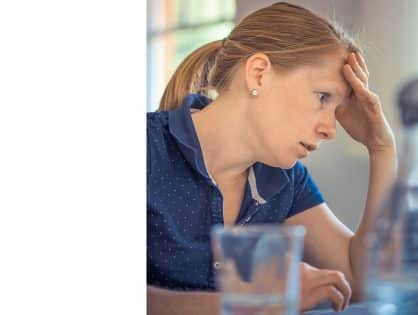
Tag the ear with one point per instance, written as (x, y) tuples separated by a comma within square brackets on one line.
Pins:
[(257, 67)]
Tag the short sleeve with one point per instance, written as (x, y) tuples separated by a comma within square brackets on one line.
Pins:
[(306, 192)]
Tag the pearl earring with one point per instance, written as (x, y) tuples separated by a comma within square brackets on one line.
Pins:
[(254, 92)]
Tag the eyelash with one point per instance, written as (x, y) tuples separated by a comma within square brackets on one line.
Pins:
[(326, 95)]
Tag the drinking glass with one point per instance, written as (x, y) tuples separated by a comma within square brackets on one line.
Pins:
[(258, 268)]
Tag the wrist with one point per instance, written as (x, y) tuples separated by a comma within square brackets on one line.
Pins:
[(384, 160), (386, 145), (386, 156), (386, 150)]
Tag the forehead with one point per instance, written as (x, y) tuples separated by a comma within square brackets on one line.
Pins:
[(327, 74)]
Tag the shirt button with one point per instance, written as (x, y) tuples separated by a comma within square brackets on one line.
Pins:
[(217, 265)]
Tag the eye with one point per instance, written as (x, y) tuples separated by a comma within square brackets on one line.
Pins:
[(323, 97)]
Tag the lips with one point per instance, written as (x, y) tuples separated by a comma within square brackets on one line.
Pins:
[(307, 146)]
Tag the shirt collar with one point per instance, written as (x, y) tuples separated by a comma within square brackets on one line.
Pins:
[(265, 181), (182, 128)]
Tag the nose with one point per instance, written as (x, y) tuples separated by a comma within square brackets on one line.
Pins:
[(327, 127)]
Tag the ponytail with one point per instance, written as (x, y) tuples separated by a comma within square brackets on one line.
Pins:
[(291, 36), (192, 76)]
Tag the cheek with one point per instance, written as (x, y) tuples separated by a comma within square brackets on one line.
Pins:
[(269, 114), (283, 118), (303, 113), (296, 117)]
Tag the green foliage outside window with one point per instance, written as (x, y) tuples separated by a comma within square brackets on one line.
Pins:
[(212, 20)]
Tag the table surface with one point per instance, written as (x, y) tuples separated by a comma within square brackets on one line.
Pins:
[(353, 309)]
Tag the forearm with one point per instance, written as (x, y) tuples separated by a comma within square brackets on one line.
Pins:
[(162, 302), (383, 166)]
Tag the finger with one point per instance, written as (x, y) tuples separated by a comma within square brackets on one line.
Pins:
[(323, 294), (358, 86), (336, 298), (338, 280), (362, 63), (357, 69), (361, 91)]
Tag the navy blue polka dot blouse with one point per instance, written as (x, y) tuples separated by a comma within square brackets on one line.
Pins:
[(183, 202)]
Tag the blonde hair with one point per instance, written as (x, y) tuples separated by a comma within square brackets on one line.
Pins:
[(290, 35)]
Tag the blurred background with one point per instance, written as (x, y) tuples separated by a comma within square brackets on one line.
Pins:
[(387, 31)]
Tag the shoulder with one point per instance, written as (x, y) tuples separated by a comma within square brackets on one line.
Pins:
[(157, 120), (157, 137), (157, 127)]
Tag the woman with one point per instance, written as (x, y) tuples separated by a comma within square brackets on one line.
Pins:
[(284, 76)]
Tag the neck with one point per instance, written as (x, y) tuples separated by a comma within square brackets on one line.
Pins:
[(224, 140)]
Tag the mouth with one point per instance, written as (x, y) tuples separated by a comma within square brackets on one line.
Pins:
[(308, 147)]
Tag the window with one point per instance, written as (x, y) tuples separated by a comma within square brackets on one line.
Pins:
[(177, 27)]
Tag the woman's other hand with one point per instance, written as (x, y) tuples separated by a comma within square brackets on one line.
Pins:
[(320, 285)]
